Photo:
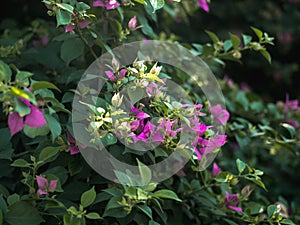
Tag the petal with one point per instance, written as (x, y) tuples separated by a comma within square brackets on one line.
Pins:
[(74, 150), (203, 5), (216, 170), (238, 209), (41, 192), (83, 23), (122, 73), (70, 138), (15, 123), (53, 184), (98, 3), (42, 182), (110, 75), (69, 28), (158, 137), (35, 118)]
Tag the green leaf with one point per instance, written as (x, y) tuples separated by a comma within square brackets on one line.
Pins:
[(258, 32), (20, 163), (143, 2), (258, 182), (227, 45), (1, 217), (235, 41), (6, 149), (272, 209), (21, 108), (152, 222), (48, 153), (71, 49), (230, 222), (43, 85), (22, 76), (81, 6), (213, 36), (157, 4), (240, 165), (266, 54), (5, 72), (88, 197), (22, 213), (246, 39), (164, 193), (12, 199), (145, 173), (145, 209), (70, 219), (33, 132), (93, 216), (63, 17), (286, 221), (66, 7), (54, 126)]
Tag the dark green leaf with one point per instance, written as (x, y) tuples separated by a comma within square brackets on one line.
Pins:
[(145, 209), (43, 85), (71, 49), (22, 213), (48, 153), (5, 72), (88, 197), (54, 126), (164, 193)]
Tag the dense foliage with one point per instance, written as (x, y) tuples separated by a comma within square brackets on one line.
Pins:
[(46, 46)]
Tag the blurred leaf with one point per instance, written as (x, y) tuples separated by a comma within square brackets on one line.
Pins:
[(145, 209), (240, 165), (63, 17), (258, 32), (71, 49), (43, 85), (157, 4), (5, 72), (235, 40), (213, 36)]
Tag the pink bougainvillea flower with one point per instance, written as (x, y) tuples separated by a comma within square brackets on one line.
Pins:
[(216, 170), (82, 23), (44, 186), (139, 113), (207, 146), (109, 4), (34, 119), (220, 115), (73, 144), (231, 201), (290, 104), (132, 24), (110, 75), (41, 43), (203, 4), (122, 73)]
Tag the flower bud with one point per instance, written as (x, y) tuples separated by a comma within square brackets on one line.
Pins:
[(117, 100)]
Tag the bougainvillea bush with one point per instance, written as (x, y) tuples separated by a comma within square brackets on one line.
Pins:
[(47, 46)]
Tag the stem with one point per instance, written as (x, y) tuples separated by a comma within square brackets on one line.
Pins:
[(86, 42)]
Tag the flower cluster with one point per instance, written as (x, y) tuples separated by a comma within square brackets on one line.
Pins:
[(157, 118)]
